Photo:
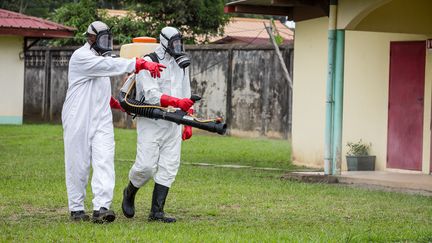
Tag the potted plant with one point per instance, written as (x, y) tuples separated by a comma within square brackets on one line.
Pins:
[(358, 157)]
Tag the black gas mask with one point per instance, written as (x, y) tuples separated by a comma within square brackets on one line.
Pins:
[(176, 50), (104, 41)]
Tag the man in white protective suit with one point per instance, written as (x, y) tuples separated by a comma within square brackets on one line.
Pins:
[(159, 141), (87, 121)]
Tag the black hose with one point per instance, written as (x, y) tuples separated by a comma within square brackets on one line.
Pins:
[(179, 117)]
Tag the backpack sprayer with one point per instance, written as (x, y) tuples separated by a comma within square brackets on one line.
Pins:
[(140, 108)]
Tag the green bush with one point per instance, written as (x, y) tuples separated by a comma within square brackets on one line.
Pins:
[(197, 19), (358, 148)]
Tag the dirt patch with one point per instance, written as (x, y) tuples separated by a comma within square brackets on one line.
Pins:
[(311, 177), (235, 207), (29, 210)]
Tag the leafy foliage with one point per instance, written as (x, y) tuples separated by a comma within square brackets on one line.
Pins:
[(78, 15), (358, 148), (195, 18), (126, 28), (38, 8), (278, 38)]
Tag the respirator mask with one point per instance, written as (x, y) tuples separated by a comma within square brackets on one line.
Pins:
[(104, 41), (176, 50)]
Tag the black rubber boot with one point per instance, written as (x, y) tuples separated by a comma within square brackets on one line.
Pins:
[(158, 202), (103, 215), (79, 216), (128, 204)]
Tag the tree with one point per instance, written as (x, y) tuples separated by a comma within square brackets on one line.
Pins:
[(78, 15), (195, 18), (38, 8)]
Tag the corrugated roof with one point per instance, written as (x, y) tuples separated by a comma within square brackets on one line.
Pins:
[(12, 23), (252, 31)]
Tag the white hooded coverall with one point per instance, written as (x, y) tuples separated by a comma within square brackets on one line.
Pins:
[(87, 126), (159, 141)]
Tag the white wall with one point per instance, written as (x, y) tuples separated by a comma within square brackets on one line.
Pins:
[(11, 80)]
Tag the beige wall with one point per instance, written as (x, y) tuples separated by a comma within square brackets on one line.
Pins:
[(350, 12), (427, 113), (366, 91), (11, 79), (310, 74), (400, 16), (395, 16)]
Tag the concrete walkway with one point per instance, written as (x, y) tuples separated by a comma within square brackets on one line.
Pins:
[(406, 182), (412, 183), (395, 181)]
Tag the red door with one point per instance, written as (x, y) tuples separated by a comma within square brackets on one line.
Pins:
[(405, 115)]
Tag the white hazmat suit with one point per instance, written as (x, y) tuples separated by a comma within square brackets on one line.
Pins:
[(88, 127), (159, 141)]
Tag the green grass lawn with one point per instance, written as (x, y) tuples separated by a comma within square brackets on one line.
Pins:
[(211, 204)]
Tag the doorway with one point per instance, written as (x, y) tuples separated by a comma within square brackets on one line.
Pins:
[(405, 106)]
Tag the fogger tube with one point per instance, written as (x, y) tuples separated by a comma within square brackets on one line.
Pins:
[(179, 117)]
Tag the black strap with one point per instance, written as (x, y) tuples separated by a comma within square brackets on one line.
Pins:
[(153, 56), (94, 29)]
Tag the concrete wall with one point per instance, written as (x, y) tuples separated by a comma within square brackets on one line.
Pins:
[(365, 92), (310, 74), (45, 84), (244, 85), (11, 79)]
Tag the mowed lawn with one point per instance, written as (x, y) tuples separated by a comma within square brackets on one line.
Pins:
[(211, 204)]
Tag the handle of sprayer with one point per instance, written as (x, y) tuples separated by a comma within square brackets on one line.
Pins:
[(195, 98)]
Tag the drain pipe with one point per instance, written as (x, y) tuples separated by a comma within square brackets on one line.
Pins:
[(338, 102), (328, 140)]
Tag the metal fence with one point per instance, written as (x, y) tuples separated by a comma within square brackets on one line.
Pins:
[(245, 85)]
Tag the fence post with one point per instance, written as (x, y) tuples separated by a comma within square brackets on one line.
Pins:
[(265, 103), (288, 53), (47, 91), (228, 113)]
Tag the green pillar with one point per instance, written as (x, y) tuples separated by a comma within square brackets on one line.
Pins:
[(338, 102), (328, 136)]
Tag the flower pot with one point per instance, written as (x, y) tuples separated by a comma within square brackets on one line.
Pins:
[(364, 162)]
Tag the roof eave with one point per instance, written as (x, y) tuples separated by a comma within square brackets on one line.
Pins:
[(41, 33), (296, 10)]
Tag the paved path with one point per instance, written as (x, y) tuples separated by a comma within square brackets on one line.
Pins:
[(413, 183), (393, 181), (397, 181)]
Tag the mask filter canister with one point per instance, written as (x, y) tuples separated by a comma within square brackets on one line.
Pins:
[(183, 60)]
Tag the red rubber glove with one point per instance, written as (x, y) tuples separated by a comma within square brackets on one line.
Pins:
[(187, 130), (153, 67), (114, 104), (187, 133), (183, 104)]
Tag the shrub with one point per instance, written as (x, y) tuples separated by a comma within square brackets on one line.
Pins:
[(358, 148)]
